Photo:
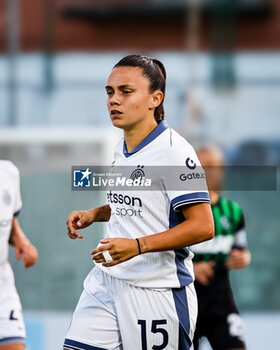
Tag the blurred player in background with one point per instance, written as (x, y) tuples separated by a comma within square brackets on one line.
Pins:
[(12, 330), (218, 317), (140, 295)]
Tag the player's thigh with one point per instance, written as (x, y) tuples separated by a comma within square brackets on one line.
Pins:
[(227, 333), (94, 323), (156, 319), (14, 346)]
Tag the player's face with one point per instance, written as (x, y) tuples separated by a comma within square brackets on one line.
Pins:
[(213, 166), (129, 100)]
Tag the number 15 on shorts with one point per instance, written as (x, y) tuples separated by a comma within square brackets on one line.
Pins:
[(156, 327)]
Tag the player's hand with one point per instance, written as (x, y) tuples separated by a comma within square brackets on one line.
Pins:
[(29, 252), (204, 271), (238, 259), (120, 249), (78, 220)]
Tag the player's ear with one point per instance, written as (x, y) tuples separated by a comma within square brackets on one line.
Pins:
[(156, 99)]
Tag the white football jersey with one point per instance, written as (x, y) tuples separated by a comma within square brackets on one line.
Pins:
[(139, 213), (11, 320), (10, 204)]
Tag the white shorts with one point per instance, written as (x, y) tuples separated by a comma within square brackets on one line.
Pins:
[(12, 328), (114, 315)]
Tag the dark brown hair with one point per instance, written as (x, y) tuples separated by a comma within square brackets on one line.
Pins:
[(152, 69)]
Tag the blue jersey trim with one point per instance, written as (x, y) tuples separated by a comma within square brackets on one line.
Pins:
[(183, 274), (17, 213), (12, 340), (76, 345), (182, 309), (239, 246), (190, 198), (152, 135)]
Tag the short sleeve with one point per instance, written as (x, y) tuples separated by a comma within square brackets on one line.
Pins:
[(18, 201), (184, 178)]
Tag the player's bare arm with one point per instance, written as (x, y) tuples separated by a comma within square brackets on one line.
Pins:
[(238, 259), (84, 218), (22, 245), (197, 227), (14, 346)]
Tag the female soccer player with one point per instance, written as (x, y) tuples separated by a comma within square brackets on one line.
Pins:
[(218, 317), (140, 294), (12, 331)]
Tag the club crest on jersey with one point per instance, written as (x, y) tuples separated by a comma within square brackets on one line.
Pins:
[(81, 178), (138, 174), (7, 198), (190, 163)]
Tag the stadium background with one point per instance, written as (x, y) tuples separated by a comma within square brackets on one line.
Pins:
[(223, 86)]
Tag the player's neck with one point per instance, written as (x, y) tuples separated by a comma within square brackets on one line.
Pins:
[(214, 197), (138, 133)]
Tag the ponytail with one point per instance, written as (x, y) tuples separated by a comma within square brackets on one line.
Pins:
[(159, 111)]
